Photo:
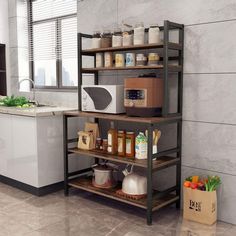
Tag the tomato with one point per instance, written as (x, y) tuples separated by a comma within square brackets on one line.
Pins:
[(187, 184), (193, 185)]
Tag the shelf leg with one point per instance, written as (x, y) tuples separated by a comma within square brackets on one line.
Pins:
[(65, 132), (178, 167), (149, 176)]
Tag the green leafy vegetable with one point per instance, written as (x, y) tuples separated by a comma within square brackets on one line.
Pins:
[(13, 101), (212, 183)]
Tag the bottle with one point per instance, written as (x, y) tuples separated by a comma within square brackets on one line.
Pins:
[(130, 143), (121, 143), (112, 140)]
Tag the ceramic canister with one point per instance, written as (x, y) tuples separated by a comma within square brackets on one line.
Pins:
[(130, 59), (120, 60)]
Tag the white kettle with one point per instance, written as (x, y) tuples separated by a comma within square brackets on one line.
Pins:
[(134, 184)]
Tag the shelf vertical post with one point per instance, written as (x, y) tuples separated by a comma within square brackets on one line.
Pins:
[(165, 109), (178, 166), (149, 176), (79, 43), (65, 131), (180, 74)]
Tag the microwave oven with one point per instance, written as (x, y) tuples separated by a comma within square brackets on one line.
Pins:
[(103, 98)]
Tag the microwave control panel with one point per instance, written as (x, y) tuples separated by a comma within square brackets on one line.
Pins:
[(135, 97)]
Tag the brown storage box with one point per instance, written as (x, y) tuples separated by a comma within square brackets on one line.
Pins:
[(200, 206)]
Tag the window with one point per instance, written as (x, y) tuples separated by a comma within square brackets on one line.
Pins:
[(53, 43)]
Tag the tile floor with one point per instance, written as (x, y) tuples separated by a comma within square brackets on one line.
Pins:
[(80, 215)]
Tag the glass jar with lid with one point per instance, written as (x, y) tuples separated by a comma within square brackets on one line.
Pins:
[(117, 37), (154, 34), (96, 40), (128, 33), (139, 34), (121, 143), (106, 39)]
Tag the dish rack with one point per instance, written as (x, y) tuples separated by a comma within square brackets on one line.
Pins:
[(154, 200)]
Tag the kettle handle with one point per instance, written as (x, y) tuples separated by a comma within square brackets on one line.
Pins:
[(126, 172)]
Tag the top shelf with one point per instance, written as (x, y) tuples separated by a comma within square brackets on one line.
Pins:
[(174, 46)]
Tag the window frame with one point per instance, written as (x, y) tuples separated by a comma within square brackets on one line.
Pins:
[(57, 21)]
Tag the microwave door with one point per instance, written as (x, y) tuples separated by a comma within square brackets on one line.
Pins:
[(100, 96)]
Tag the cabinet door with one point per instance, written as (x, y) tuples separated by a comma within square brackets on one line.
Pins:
[(23, 165), (5, 142)]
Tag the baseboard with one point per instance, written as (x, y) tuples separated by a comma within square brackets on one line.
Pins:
[(31, 189)]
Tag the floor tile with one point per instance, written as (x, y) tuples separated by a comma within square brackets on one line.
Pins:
[(86, 214)]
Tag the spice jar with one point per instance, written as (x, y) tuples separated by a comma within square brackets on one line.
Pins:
[(139, 34), (141, 60), (154, 34), (106, 39), (108, 60), (119, 60), (99, 60), (121, 143), (153, 59), (130, 142), (96, 40), (104, 145), (117, 38), (98, 144), (127, 39)]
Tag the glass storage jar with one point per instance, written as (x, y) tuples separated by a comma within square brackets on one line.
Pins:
[(117, 38), (154, 34), (96, 40), (106, 39), (139, 34)]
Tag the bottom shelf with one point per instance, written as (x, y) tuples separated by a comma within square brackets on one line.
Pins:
[(86, 184)]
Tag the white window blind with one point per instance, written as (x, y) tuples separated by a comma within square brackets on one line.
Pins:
[(53, 42), (46, 9)]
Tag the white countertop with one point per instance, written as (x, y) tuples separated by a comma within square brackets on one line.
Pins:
[(35, 111)]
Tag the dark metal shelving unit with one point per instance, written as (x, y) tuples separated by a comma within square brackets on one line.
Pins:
[(164, 159), (3, 76)]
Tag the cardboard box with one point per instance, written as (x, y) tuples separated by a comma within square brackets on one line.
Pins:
[(200, 206)]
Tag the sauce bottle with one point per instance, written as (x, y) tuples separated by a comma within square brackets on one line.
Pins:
[(121, 143), (112, 140), (130, 144)]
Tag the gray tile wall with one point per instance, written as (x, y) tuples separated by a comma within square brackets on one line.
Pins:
[(209, 140)]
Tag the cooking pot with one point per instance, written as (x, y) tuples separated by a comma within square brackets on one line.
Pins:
[(103, 175), (134, 184)]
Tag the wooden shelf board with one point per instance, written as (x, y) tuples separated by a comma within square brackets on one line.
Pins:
[(161, 162), (123, 117), (172, 68), (86, 184), (175, 46)]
